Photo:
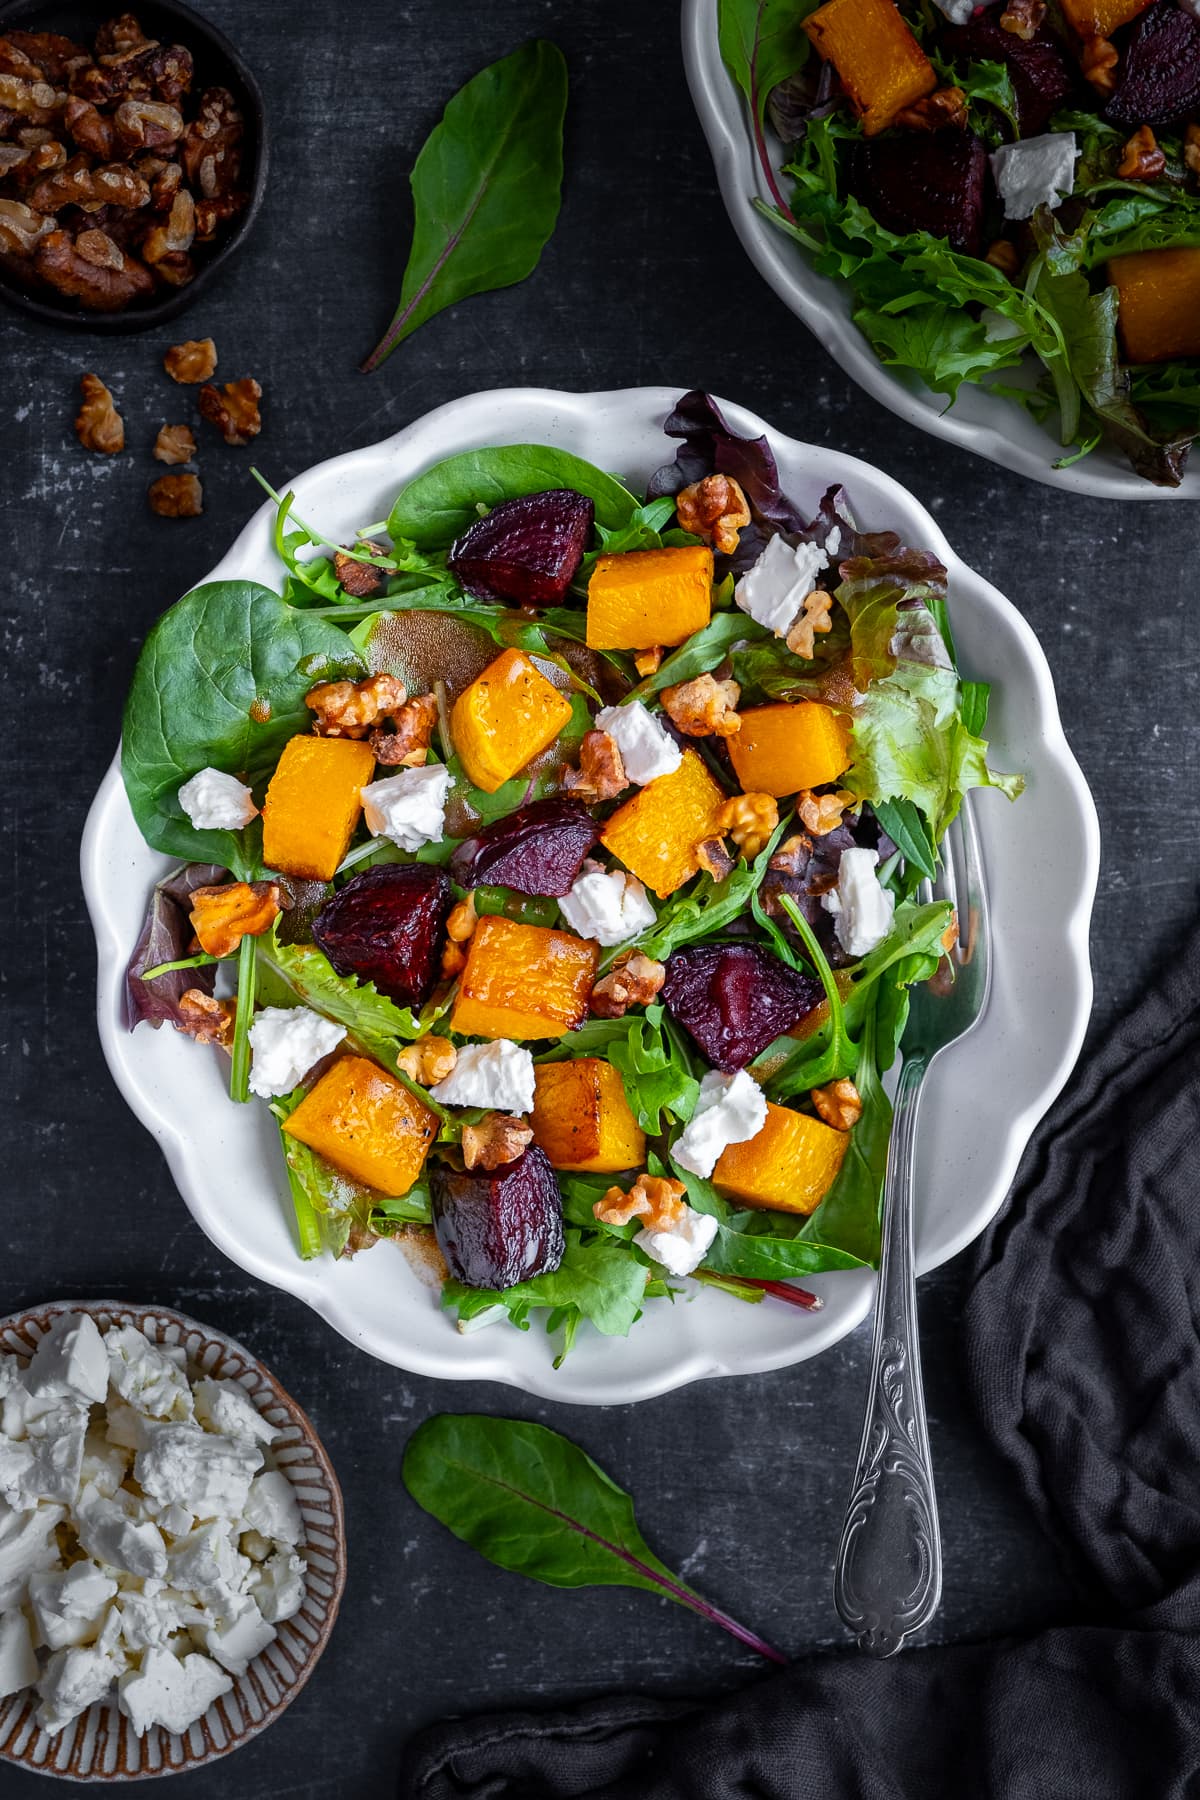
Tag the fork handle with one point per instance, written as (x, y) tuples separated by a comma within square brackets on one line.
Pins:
[(888, 1575)]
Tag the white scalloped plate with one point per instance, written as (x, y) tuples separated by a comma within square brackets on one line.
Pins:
[(982, 1101), (986, 424), (101, 1745)]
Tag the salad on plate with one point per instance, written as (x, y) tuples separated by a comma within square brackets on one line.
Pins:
[(554, 866), (1009, 188)]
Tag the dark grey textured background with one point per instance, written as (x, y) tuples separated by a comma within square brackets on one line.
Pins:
[(741, 1483)]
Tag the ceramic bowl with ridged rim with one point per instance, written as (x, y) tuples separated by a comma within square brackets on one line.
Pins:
[(981, 1101), (986, 424), (101, 1744)]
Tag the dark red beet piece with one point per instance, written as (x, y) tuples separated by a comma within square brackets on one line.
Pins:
[(385, 926), (525, 550), (1041, 75), (925, 181), (539, 849), (1158, 77), (499, 1227), (734, 998)]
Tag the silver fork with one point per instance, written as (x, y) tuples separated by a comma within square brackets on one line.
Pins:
[(888, 1576)]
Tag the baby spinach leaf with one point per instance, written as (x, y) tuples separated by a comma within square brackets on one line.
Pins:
[(532, 1502), (436, 506), (486, 188), (768, 1256), (220, 683)]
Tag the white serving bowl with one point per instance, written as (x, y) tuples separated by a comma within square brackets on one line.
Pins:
[(986, 424), (982, 1100)]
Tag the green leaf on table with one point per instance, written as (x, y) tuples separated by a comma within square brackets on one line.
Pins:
[(486, 188), (436, 506), (220, 683), (532, 1502)]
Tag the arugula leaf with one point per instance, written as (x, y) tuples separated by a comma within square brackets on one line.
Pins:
[(599, 1278), (652, 1060), (438, 505), (849, 1214), (701, 653), (906, 827), (532, 1502), (486, 188), (704, 906), (762, 43), (220, 683)]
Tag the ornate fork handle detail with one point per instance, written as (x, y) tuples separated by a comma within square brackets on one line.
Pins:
[(888, 1576)]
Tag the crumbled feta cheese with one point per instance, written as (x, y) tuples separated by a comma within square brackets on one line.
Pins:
[(957, 11), (26, 1545), (16, 1475), (70, 1361), (145, 1376), (774, 588), (18, 1663), (70, 1605), (862, 907), (409, 808), (72, 1681), (236, 1640), (205, 1563), (184, 1465), (217, 802), (10, 1373), (104, 1465), (278, 1586), (287, 1041), (833, 542), (1033, 172), (273, 1509), (683, 1246), (225, 1406), (175, 1520), (729, 1109), (108, 1533), (170, 1691), (647, 749), (124, 1428), (46, 1465), (148, 1620), (498, 1075), (22, 1411), (608, 905)]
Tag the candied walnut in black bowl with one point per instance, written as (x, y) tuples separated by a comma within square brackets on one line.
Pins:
[(133, 159)]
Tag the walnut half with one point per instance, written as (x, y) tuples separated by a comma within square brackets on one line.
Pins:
[(98, 424), (714, 509), (233, 409), (191, 362), (633, 980), (703, 707), (498, 1138), (174, 444), (176, 497)]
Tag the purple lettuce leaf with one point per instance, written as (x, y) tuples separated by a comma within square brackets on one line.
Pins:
[(166, 935), (711, 447)]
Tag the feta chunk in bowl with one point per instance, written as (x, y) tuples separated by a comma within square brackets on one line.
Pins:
[(231, 1533)]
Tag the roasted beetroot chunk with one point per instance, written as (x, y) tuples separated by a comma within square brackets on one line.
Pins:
[(385, 926), (1158, 77), (733, 999), (1041, 75), (925, 181), (539, 849), (498, 1228), (525, 550)]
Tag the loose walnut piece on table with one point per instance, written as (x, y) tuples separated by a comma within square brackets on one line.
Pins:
[(948, 106), (497, 1139), (812, 618), (191, 362), (601, 772), (176, 497), (838, 1104), (656, 1200), (822, 813), (99, 286), (703, 707), (1098, 61), (633, 980), (714, 509), (1141, 159), (207, 1020), (1023, 18), (428, 1061), (406, 745), (749, 819), (98, 424), (174, 444), (233, 409), (359, 578), (351, 708)]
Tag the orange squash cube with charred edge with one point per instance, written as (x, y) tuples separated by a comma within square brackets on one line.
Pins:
[(367, 1124), (222, 916), (581, 1118), (656, 833), (523, 981), (1159, 314), (1100, 18), (789, 1166), (649, 597), (881, 64), (787, 746), (508, 715), (313, 803)]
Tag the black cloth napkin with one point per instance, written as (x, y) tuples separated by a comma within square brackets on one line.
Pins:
[(1083, 1359)]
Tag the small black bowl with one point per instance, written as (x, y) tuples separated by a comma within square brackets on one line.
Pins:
[(217, 64)]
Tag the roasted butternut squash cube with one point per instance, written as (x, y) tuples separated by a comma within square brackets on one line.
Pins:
[(649, 597), (523, 981), (656, 833), (507, 716), (1159, 315), (881, 65), (581, 1118), (367, 1124), (1100, 18), (313, 803), (788, 1167), (785, 747)]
